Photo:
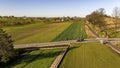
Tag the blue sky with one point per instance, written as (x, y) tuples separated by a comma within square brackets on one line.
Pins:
[(55, 8)]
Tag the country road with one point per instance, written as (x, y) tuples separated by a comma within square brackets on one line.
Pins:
[(61, 43), (52, 44)]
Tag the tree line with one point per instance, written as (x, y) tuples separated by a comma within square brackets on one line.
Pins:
[(11, 20)]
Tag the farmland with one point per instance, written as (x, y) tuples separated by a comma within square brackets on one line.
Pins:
[(90, 55), (37, 58), (59, 34), (46, 32), (43, 32), (73, 32), (36, 33), (83, 55)]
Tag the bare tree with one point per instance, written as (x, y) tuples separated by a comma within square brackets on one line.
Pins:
[(101, 11), (97, 18), (116, 15)]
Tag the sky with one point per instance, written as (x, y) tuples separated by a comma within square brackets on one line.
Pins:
[(55, 8)]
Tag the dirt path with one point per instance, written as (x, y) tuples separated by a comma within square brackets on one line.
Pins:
[(111, 45), (92, 32)]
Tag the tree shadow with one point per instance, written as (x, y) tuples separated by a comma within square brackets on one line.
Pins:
[(43, 56), (30, 58)]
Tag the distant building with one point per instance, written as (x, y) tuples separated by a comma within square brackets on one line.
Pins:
[(62, 19)]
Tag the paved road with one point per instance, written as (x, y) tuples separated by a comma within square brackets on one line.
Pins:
[(60, 43), (52, 44)]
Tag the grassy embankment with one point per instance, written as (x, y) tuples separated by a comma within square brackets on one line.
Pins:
[(90, 55)]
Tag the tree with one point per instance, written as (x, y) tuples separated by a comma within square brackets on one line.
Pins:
[(116, 15), (6, 47), (101, 11), (97, 19)]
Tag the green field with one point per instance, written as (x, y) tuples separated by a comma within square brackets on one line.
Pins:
[(36, 33), (37, 59), (90, 55), (73, 32), (43, 32)]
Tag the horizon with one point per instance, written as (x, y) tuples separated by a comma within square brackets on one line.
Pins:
[(54, 8)]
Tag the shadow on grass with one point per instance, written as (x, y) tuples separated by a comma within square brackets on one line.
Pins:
[(43, 56), (30, 58)]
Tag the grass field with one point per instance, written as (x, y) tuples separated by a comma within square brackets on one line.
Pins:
[(37, 59), (73, 32), (90, 55), (36, 33)]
